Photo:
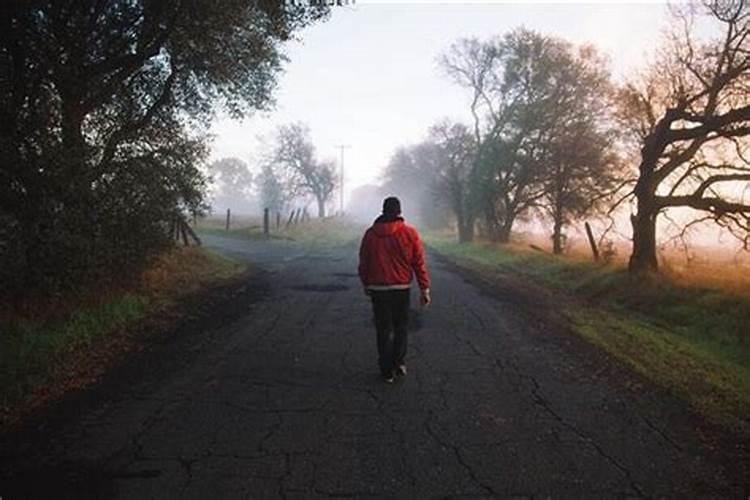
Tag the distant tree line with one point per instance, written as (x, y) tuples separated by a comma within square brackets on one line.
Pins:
[(551, 135), (104, 107)]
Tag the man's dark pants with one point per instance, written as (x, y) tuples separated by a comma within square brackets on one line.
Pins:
[(391, 309)]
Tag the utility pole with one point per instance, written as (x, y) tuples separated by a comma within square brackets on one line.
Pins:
[(342, 147)]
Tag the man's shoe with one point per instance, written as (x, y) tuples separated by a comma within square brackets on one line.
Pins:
[(388, 379), (401, 370)]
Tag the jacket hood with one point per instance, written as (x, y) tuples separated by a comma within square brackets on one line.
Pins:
[(386, 226)]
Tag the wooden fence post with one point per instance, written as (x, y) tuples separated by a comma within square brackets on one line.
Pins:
[(266, 222), (183, 225), (192, 234), (278, 220), (291, 216), (592, 242), (229, 213)]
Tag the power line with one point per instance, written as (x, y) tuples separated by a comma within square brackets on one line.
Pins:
[(342, 147)]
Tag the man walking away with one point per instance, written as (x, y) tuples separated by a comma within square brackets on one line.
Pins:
[(390, 255)]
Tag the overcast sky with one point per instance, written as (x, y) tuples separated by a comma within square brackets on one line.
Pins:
[(368, 76)]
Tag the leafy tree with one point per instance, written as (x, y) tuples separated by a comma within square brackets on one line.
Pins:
[(580, 164), (509, 79), (272, 194), (582, 172), (411, 174), (690, 118), (233, 182), (455, 148), (103, 112), (474, 65), (534, 99), (303, 174)]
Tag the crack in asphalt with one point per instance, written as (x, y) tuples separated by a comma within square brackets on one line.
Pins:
[(542, 402), (459, 458), (662, 433)]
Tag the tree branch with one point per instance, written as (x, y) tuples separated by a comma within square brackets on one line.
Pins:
[(715, 205), (711, 124)]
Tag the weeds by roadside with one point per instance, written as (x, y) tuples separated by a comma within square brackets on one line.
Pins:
[(45, 344), (314, 232)]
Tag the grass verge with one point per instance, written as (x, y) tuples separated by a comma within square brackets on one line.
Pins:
[(326, 233), (45, 348), (693, 341), (317, 233)]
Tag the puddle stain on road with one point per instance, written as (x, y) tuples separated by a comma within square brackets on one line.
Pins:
[(325, 288), (346, 275)]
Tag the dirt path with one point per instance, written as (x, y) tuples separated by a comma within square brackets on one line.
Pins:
[(286, 402)]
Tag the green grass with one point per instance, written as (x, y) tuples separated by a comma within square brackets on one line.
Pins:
[(38, 344), (243, 233), (326, 233), (692, 340), (30, 348), (315, 233)]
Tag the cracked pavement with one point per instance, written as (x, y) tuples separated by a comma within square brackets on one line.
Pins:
[(286, 402)]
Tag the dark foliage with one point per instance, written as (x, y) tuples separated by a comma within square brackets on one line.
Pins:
[(103, 112)]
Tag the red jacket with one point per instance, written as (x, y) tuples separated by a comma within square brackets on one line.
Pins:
[(390, 255)]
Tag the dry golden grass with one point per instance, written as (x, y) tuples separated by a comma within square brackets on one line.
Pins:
[(236, 221), (185, 270), (707, 267)]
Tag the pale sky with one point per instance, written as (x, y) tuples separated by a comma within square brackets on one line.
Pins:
[(368, 76)]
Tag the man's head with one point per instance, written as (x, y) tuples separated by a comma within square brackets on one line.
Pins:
[(391, 207)]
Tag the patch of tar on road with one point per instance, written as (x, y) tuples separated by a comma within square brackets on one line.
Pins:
[(415, 320), (325, 288), (346, 275), (313, 258)]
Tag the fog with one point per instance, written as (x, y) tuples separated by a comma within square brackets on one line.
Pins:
[(368, 77)]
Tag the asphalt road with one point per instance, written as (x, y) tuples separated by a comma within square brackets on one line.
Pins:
[(286, 402)]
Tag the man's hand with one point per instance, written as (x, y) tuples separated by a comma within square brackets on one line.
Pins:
[(426, 298), (367, 292)]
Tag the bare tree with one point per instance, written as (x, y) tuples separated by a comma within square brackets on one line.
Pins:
[(691, 117), (303, 174)]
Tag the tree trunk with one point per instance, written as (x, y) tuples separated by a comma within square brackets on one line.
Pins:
[(492, 224), (465, 223), (321, 207), (465, 231), (557, 245), (557, 196), (503, 232), (643, 259)]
